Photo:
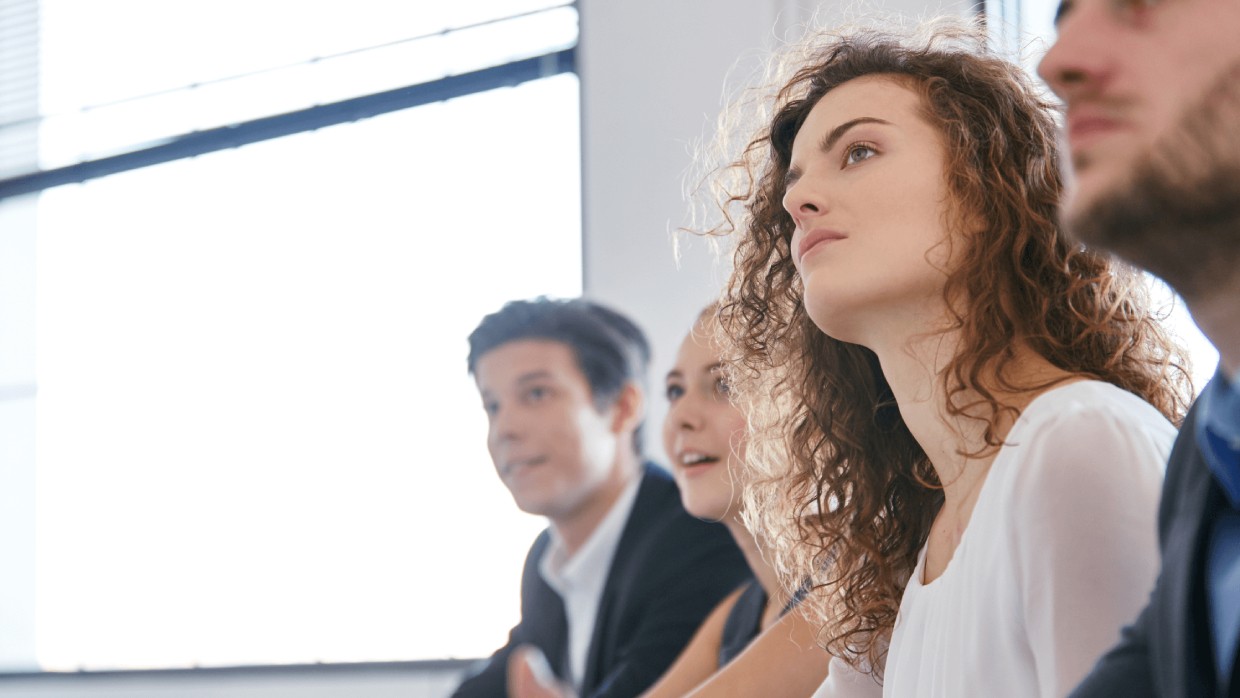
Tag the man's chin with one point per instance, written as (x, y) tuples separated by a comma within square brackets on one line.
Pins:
[(1092, 189), (534, 507), (531, 499)]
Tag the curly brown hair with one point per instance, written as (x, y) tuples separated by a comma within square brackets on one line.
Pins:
[(840, 490)]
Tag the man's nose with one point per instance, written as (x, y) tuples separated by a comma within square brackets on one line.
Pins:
[(1081, 58)]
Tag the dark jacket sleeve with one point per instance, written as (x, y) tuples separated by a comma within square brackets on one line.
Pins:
[(489, 679), (669, 573), (688, 581), (542, 624)]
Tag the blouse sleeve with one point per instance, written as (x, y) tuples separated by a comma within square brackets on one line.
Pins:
[(1083, 533)]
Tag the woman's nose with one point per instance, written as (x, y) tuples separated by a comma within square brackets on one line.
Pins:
[(801, 201), (684, 415)]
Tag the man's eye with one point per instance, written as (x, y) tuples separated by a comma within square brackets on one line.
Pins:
[(1131, 12), (491, 408), (1134, 8), (674, 392), (536, 394), (858, 152)]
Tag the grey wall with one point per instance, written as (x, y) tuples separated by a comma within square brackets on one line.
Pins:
[(377, 680)]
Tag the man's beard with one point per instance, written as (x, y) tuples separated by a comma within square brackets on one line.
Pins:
[(1179, 214)]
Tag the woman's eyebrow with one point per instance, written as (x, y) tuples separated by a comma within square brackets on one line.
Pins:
[(838, 132)]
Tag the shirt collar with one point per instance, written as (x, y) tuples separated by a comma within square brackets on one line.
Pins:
[(593, 559), (1218, 433)]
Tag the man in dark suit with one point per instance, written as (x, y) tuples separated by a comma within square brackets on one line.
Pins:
[(618, 583), (1152, 90)]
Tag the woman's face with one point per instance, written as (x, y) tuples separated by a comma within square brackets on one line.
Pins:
[(702, 430), (866, 190)]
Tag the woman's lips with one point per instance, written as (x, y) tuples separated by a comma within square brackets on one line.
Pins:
[(815, 239), (693, 463)]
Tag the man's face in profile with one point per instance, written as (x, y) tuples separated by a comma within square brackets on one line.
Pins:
[(1152, 89), (551, 447)]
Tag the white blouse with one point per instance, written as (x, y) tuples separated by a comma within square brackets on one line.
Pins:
[(844, 681), (1059, 554)]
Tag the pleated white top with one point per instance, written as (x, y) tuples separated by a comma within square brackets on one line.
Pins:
[(1059, 554)]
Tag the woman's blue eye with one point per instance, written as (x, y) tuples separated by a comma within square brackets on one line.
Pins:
[(858, 152), (722, 387), (674, 392)]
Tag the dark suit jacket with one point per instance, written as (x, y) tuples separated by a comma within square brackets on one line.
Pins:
[(1167, 652), (669, 572)]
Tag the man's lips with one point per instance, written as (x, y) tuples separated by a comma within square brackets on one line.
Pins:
[(516, 465), (1087, 126), (816, 238)]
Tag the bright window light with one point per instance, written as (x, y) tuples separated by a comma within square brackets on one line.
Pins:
[(256, 439)]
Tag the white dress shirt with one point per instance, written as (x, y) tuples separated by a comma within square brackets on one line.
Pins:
[(579, 580)]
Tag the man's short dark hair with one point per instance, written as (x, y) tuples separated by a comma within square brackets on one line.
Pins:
[(611, 350)]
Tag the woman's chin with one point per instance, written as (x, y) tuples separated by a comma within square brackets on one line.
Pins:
[(705, 508), (834, 320)]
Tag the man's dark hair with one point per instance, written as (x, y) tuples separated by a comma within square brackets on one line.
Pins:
[(611, 350)]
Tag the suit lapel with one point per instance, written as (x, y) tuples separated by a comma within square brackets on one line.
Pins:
[(646, 494), (1217, 499), (544, 612), (1234, 681)]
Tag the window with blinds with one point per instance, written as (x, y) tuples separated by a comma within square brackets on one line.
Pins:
[(234, 409)]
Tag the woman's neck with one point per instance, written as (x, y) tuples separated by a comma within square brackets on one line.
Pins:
[(957, 443), (913, 367), (762, 570)]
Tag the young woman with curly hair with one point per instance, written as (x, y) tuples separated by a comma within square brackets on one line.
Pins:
[(960, 416)]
